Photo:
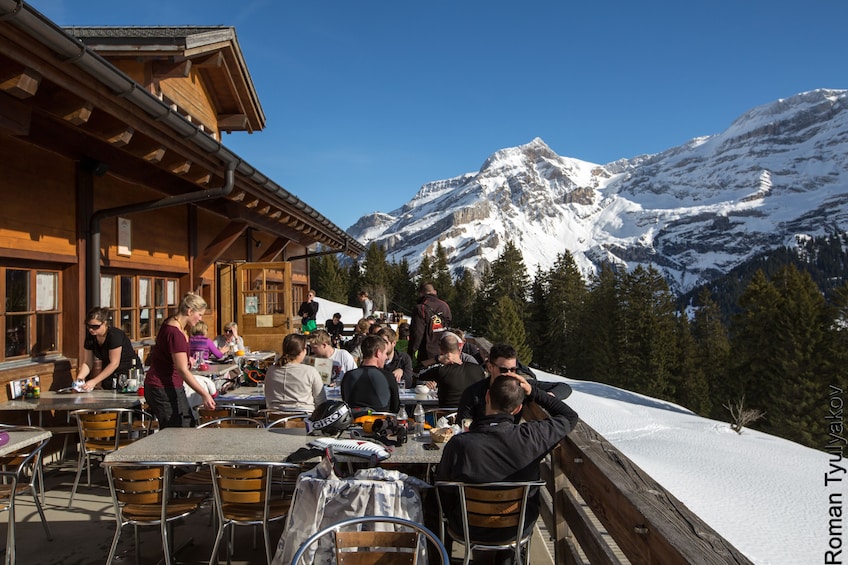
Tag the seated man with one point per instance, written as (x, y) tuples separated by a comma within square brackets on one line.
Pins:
[(497, 449), (321, 343), (335, 328), (398, 363), (503, 359), (371, 386), (453, 375)]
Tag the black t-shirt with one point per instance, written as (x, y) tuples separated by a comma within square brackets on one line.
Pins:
[(114, 338), (371, 387)]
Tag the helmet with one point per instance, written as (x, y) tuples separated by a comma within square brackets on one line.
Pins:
[(331, 417)]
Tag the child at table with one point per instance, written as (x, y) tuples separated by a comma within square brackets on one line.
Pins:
[(201, 347)]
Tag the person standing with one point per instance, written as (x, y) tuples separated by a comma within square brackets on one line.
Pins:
[(497, 449), (370, 385), (431, 317), (308, 311), (108, 344), (367, 304), (290, 385), (169, 367)]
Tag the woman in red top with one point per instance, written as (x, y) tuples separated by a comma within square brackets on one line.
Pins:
[(169, 367)]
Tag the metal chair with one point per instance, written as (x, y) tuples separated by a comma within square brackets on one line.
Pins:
[(486, 510), (399, 545), (20, 470), (224, 411), (243, 497), (232, 422), (100, 435), (288, 421), (141, 495)]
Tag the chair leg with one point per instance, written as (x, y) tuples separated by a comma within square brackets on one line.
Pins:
[(115, 539), (10, 533), (166, 542), (266, 535), (76, 480), (214, 558), (40, 512)]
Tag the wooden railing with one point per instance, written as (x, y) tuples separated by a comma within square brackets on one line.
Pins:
[(648, 524)]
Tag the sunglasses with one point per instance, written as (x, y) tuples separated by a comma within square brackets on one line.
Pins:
[(505, 370), (93, 326), (229, 331)]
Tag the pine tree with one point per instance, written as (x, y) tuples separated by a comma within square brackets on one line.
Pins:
[(442, 281), (506, 277), (507, 327), (689, 381), (754, 353), (376, 278), (462, 306), (648, 328), (597, 356), (712, 353), (564, 303), (802, 335), (539, 321), (329, 279), (403, 286)]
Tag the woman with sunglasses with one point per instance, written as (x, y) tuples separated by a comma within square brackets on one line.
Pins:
[(230, 338), (108, 344)]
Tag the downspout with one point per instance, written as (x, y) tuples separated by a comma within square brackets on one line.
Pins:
[(93, 258)]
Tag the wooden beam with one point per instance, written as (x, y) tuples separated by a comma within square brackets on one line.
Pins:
[(277, 246), (14, 116), (65, 106), (20, 82), (223, 241), (171, 68), (212, 61), (109, 129), (232, 121)]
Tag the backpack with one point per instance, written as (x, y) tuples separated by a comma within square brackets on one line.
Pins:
[(434, 321)]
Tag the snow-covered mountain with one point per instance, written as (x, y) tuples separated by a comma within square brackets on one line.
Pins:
[(779, 172)]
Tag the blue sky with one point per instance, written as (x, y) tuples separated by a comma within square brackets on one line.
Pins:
[(367, 100)]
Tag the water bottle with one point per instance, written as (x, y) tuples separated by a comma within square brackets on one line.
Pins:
[(419, 420)]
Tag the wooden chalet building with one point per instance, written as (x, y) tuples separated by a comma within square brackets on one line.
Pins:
[(117, 190)]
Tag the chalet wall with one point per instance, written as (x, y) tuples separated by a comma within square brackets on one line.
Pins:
[(38, 208), (159, 238)]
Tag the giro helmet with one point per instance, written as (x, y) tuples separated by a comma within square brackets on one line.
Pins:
[(331, 417)]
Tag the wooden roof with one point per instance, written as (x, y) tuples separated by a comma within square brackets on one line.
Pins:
[(214, 50), (60, 94)]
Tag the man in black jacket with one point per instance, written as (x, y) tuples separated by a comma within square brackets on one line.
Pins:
[(503, 360), (497, 449), (431, 317)]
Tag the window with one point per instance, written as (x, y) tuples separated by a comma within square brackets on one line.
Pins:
[(31, 313), (139, 304)]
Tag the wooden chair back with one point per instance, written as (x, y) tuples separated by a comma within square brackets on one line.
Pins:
[(372, 548), (490, 508)]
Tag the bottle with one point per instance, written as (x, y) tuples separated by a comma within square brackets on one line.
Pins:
[(402, 418), (419, 420)]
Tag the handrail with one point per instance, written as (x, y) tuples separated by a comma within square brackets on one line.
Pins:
[(647, 523)]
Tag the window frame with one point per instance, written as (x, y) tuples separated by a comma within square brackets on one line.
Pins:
[(35, 328), (152, 299)]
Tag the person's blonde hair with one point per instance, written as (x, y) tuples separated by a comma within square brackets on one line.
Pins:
[(199, 328), (229, 325), (191, 301), (320, 337)]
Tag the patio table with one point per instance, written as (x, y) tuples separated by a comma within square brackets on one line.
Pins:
[(23, 438)]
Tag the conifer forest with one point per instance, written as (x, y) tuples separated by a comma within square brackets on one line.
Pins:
[(771, 335)]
